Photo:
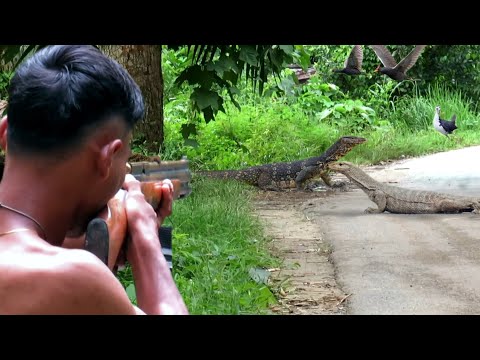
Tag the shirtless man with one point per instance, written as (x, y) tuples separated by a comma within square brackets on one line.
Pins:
[(71, 112)]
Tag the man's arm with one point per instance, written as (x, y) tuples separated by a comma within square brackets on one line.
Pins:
[(156, 290)]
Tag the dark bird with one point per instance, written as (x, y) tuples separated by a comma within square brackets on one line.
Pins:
[(390, 67), (444, 127), (353, 64)]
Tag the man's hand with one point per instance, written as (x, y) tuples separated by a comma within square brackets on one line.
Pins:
[(136, 206), (164, 208)]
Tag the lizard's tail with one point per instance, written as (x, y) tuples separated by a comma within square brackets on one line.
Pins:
[(219, 174), (211, 173), (229, 174)]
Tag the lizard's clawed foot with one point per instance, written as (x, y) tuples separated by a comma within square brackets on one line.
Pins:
[(339, 184), (371, 211)]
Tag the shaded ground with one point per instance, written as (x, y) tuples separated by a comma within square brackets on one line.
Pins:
[(306, 281)]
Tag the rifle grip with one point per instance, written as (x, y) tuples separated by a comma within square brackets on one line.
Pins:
[(165, 236)]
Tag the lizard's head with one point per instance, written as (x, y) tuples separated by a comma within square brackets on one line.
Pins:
[(353, 140), (340, 166), (346, 144)]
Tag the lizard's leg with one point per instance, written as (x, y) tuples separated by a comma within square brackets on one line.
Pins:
[(476, 208), (302, 176), (312, 171), (327, 179), (452, 206), (379, 198)]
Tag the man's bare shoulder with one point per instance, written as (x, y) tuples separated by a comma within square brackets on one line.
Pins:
[(61, 281)]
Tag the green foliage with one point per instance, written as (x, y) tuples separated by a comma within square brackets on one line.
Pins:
[(12, 55), (174, 63), (454, 66), (215, 72), (327, 103), (4, 81)]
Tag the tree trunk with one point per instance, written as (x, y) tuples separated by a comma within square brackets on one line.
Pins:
[(144, 63)]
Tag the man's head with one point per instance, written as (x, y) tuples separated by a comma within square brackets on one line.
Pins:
[(62, 93), (73, 108)]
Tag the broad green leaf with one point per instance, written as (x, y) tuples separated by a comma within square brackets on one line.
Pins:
[(195, 75), (231, 77), (187, 130), (205, 98), (340, 108), (304, 61), (132, 295), (287, 84), (249, 55), (326, 101), (208, 114), (215, 67), (288, 49), (277, 58), (349, 105), (227, 63), (266, 296), (324, 114)]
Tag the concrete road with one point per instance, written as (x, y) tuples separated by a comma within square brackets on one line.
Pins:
[(407, 264)]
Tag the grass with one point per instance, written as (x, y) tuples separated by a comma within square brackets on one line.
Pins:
[(397, 143)]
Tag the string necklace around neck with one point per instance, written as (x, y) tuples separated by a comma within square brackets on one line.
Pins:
[(25, 215)]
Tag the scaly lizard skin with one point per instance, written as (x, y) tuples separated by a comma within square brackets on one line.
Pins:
[(283, 175), (398, 200)]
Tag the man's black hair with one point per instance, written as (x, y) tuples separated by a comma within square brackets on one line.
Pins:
[(62, 92)]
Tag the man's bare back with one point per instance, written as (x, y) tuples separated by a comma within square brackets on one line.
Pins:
[(37, 279)]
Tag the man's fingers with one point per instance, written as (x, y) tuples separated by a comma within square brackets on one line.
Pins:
[(168, 182), (167, 201), (131, 184)]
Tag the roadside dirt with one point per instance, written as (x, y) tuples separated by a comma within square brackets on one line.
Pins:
[(305, 283)]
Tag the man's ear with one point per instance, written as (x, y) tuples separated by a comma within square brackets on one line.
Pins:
[(3, 133), (107, 155)]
